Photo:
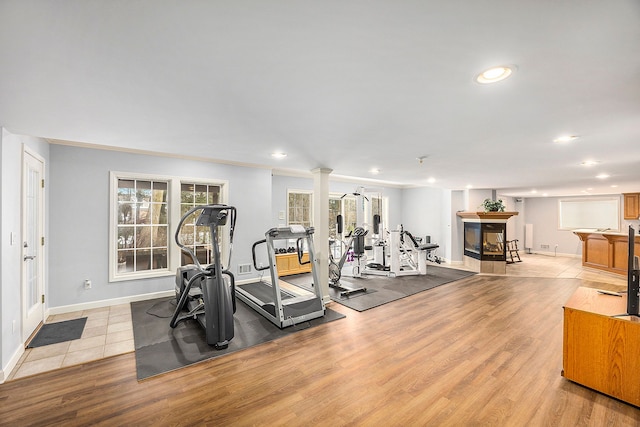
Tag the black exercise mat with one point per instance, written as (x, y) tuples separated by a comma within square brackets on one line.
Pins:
[(159, 348), (382, 290), (53, 333)]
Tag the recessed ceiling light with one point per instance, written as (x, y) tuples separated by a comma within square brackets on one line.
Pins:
[(375, 171), (431, 180), (494, 74), (566, 138), (469, 186), (278, 155), (602, 176), (545, 194), (534, 191), (589, 163), (614, 186)]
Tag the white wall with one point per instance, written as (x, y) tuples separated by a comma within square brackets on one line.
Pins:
[(79, 216), (11, 148), (459, 202), (475, 199)]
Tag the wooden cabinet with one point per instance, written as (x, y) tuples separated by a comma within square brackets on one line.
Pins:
[(287, 264), (606, 251), (631, 205), (600, 347)]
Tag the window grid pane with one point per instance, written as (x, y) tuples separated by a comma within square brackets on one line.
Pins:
[(197, 238), (299, 208), (139, 245)]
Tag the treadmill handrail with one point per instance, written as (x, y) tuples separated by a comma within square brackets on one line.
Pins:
[(299, 250), (253, 253)]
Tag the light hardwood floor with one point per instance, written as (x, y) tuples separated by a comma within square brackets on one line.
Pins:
[(486, 350)]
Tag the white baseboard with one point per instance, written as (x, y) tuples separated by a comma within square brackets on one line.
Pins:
[(553, 254), (11, 364), (106, 303), (117, 301)]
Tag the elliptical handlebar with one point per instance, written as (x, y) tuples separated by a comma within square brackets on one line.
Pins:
[(224, 211)]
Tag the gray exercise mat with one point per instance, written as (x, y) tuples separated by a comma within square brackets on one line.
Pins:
[(382, 290), (159, 348)]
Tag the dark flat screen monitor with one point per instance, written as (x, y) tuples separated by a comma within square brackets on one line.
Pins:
[(632, 277)]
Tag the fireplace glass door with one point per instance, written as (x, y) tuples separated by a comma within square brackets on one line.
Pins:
[(492, 242), (484, 241)]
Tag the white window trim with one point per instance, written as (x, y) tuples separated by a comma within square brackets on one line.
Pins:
[(173, 213), (289, 191)]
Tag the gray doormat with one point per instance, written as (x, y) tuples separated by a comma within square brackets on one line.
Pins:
[(382, 290), (159, 348), (53, 333)]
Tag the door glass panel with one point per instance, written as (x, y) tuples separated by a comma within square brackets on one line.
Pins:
[(33, 181)]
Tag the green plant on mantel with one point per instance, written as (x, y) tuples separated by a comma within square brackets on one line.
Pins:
[(493, 205)]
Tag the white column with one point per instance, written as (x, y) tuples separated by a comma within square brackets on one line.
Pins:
[(321, 225)]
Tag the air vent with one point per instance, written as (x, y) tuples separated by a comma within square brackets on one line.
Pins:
[(244, 268)]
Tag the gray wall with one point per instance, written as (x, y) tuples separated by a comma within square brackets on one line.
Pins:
[(282, 183), (542, 212), (80, 217), (422, 214)]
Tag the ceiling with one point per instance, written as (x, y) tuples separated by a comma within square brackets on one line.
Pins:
[(346, 85)]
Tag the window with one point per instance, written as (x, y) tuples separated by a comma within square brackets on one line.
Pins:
[(299, 207), (349, 215), (195, 237), (335, 209), (145, 211), (600, 213), (142, 225)]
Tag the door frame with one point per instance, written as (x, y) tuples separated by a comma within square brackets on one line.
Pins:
[(29, 327)]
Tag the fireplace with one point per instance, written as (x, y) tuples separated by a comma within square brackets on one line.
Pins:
[(484, 241), (484, 234)]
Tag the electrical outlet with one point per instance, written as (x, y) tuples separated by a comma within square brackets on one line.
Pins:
[(87, 284), (544, 246)]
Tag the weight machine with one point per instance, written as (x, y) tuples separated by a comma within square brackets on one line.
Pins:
[(404, 255), (356, 243)]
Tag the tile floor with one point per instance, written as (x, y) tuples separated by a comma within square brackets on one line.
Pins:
[(109, 331)]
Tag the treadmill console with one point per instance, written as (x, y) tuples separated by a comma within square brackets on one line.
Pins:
[(297, 228)]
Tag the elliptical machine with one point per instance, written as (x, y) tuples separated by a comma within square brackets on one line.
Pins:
[(208, 293)]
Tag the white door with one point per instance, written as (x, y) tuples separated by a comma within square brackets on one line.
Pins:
[(33, 243)]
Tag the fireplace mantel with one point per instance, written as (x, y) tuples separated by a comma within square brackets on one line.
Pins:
[(486, 216)]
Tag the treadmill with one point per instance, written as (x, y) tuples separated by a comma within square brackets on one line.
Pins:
[(290, 304)]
